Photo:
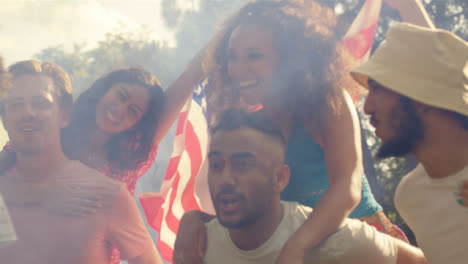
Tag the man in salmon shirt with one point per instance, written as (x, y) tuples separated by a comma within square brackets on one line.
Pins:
[(35, 108)]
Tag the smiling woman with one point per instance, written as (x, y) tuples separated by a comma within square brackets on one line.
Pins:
[(114, 122), (121, 107)]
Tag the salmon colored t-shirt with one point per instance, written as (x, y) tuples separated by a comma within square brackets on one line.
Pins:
[(45, 237)]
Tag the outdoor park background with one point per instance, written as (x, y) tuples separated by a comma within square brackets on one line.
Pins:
[(91, 37)]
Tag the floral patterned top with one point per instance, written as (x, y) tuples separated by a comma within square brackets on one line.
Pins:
[(130, 177)]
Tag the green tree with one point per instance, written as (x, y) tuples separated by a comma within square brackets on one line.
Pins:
[(119, 49)]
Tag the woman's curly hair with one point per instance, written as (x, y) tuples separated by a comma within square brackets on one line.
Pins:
[(313, 66), (125, 150)]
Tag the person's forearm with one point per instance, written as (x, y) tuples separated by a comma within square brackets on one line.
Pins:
[(190, 243), (413, 11), (328, 214), (407, 253), (15, 193), (178, 93)]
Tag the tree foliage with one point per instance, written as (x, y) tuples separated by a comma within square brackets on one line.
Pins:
[(119, 49)]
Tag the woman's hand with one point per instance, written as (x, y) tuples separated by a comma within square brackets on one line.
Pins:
[(79, 197), (190, 244), (462, 193)]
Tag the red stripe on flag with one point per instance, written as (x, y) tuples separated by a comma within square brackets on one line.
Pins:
[(152, 207), (360, 36), (181, 123), (172, 168), (192, 146), (359, 45), (171, 220), (158, 220), (165, 250)]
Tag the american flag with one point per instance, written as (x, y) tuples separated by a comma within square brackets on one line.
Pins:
[(360, 35), (185, 185)]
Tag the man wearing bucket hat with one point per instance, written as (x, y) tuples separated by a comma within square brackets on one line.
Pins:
[(418, 102)]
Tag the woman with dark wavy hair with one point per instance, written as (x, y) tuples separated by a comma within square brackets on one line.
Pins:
[(115, 127), (113, 124), (284, 58)]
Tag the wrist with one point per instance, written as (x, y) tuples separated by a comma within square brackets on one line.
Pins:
[(194, 67), (297, 244), (294, 249)]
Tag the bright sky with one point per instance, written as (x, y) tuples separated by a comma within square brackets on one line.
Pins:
[(28, 26)]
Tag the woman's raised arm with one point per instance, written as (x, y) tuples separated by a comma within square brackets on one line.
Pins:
[(178, 93)]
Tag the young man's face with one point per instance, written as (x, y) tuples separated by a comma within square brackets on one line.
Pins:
[(242, 167), (396, 123), (32, 115)]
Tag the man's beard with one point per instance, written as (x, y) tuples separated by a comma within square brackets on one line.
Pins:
[(248, 220), (409, 133)]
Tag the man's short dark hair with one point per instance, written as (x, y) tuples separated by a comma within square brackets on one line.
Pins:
[(232, 119)]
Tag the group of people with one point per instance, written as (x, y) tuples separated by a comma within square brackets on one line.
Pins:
[(285, 165)]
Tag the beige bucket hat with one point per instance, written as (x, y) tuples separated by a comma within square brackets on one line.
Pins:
[(426, 65)]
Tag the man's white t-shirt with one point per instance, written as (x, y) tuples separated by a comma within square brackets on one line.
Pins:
[(354, 242), (430, 209), (7, 233)]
